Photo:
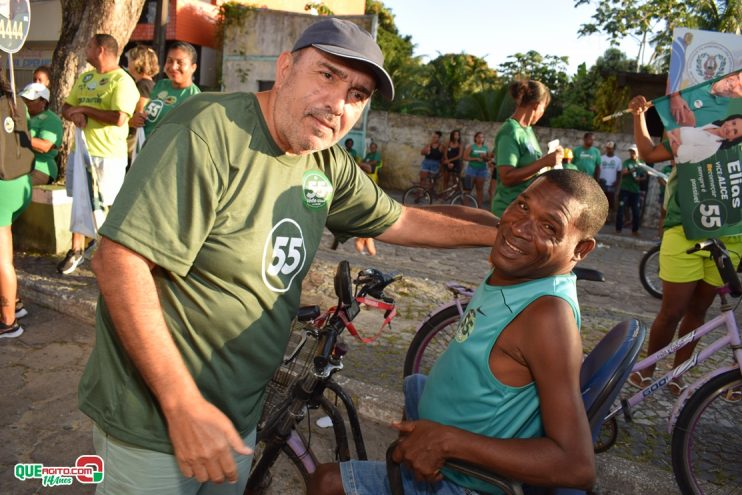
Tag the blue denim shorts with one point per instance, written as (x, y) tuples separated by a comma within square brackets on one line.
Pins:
[(432, 166), (477, 172), (370, 477)]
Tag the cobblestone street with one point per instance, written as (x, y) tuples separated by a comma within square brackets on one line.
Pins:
[(376, 369)]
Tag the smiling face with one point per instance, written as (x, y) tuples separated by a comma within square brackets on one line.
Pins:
[(730, 86), (179, 68), (731, 129), (318, 99), (538, 236)]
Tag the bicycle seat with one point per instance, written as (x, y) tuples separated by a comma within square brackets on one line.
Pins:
[(459, 290), (588, 274)]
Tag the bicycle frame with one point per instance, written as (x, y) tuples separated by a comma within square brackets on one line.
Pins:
[(459, 291), (732, 339)]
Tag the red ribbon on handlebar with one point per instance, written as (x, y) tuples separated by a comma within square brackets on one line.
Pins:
[(373, 303)]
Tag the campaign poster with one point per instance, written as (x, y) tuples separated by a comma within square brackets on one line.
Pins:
[(703, 127), (698, 56)]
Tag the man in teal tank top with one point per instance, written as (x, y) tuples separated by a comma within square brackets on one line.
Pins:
[(505, 395)]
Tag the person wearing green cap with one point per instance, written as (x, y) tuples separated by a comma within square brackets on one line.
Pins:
[(203, 255)]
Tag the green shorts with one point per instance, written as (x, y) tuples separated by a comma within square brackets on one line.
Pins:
[(15, 195), (678, 267), (135, 470)]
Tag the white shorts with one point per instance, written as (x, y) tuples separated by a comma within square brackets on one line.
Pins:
[(110, 173)]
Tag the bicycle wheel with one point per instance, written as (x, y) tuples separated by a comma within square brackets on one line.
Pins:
[(417, 195), (283, 461), (607, 436), (465, 199), (431, 340), (649, 272), (707, 439)]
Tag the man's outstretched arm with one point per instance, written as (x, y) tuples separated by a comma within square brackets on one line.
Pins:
[(448, 227)]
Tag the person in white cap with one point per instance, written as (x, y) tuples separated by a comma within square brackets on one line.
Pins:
[(203, 254), (45, 129)]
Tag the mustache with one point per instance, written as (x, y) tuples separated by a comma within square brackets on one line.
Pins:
[(327, 118)]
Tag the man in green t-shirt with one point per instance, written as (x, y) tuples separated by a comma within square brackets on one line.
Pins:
[(100, 103), (587, 157), (203, 255), (45, 129), (630, 191), (372, 162)]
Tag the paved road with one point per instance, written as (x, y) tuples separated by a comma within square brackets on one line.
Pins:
[(41, 368)]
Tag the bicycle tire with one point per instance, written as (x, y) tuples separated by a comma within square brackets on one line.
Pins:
[(465, 200), (432, 339), (261, 477), (607, 436), (707, 416), (648, 274), (417, 195)]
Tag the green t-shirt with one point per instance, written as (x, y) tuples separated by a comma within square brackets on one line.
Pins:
[(515, 146), (48, 126), (481, 153), (163, 98), (629, 181), (114, 90), (232, 224), (587, 159), (705, 106), (373, 157)]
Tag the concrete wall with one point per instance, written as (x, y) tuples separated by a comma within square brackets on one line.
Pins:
[(400, 138), (250, 51)]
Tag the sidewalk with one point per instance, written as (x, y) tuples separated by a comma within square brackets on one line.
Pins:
[(381, 400)]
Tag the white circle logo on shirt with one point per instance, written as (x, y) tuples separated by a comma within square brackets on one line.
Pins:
[(284, 255), (466, 325), (9, 125), (316, 189)]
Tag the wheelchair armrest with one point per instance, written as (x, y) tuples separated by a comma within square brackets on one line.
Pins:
[(508, 486), (394, 472)]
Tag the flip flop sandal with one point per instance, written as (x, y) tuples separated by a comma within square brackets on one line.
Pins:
[(636, 380), (676, 388)]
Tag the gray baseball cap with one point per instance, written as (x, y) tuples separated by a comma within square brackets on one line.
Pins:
[(347, 40)]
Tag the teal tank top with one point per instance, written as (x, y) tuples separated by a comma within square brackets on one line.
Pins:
[(461, 390), (479, 152)]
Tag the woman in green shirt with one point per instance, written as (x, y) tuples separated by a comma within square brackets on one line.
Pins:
[(45, 130), (518, 156), (167, 94)]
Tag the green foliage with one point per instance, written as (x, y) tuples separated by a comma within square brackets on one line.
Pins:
[(651, 22), (549, 69), (487, 105), (452, 76), (231, 14), (319, 7), (609, 98), (574, 117)]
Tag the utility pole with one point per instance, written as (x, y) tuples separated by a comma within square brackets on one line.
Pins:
[(160, 30)]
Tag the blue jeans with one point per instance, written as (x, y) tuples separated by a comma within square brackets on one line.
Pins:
[(370, 477), (430, 166), (630, 199)]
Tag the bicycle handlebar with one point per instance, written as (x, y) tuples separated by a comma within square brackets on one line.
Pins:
[(723, 262)]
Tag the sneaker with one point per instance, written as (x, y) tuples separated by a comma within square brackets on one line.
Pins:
[(10, 331), (20, 310), (71, 261)]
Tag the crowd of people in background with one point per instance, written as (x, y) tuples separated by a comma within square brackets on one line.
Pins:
[(115, 110)]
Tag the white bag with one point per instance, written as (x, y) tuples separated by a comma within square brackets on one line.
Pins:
[(83, 220), (138, 143)]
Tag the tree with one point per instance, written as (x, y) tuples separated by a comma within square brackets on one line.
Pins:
[(453, 76), (549, 69), (81, 19), (488, 105), (651, 22)]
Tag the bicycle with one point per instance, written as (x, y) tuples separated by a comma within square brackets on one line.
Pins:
[(307, 373), (439, 327), (649, 272), (706, 416), (453, 194)]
